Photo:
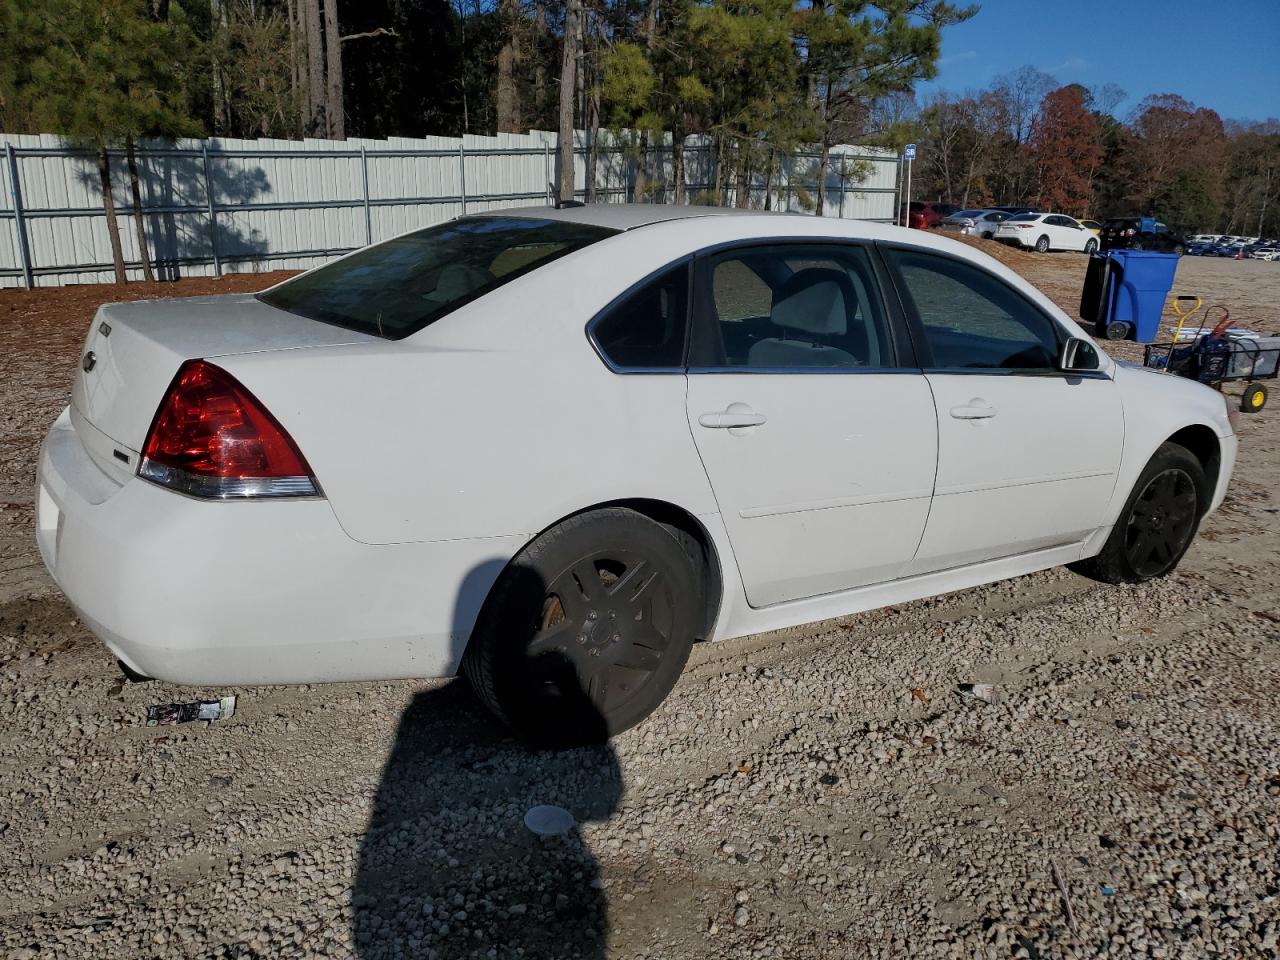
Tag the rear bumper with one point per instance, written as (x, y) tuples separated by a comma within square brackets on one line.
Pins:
[(250, 592)]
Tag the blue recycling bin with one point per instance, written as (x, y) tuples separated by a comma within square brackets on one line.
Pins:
[(1125, 292)]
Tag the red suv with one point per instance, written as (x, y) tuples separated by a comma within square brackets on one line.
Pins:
[(924, 214)]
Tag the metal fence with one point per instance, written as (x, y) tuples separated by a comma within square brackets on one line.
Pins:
[(219, 206)]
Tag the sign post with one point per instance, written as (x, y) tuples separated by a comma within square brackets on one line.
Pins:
[(909, 156)]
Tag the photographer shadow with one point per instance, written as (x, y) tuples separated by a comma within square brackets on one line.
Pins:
[(447, 867)]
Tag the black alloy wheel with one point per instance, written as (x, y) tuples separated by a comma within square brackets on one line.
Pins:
[(587, 630), (1162, 521)]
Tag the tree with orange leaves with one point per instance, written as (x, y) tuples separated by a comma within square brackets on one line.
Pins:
[(1067, 149)]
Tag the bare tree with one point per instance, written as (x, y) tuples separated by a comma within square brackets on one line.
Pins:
[(335, 116), (314, 123), (568, 90), (507, 95)]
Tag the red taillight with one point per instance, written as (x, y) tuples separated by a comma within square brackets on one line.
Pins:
[(212, 438)]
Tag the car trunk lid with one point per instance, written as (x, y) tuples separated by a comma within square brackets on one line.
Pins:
[(133, 350)]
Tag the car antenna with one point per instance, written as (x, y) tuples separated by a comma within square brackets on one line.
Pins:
[(562, 204)]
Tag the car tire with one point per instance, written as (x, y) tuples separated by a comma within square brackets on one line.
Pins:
[(586, 631), (1158, 522), (1042, 245), (1091, 247)]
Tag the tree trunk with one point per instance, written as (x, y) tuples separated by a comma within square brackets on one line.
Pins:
[(109, 208), (824, 164), (335, 115), (314, 125), (742, 177), (593, 146), (507, 96), (540, 62), (295, 55), (568, 88), (677, 165), (139, 218), (641, 184)]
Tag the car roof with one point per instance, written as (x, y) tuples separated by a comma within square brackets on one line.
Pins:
[(623, 216)]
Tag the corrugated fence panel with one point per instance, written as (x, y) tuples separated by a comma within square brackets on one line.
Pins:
[(227, 205)]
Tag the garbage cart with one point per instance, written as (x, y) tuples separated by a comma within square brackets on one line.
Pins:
[(1124, 293)]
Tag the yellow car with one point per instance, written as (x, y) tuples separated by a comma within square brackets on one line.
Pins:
[(1093, 226)]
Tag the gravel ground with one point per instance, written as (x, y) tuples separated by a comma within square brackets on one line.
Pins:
[(822, 792)]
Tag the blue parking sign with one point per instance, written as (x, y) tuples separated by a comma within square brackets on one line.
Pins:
[(909, 152)]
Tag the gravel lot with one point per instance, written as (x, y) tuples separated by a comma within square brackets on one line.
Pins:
[(823, 792)]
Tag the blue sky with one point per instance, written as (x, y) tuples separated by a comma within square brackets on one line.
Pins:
[(1218, 54)]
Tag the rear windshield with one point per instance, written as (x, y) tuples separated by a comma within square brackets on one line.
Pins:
[(969, 213), (1024, 217), (398, 287), (1121, 223)]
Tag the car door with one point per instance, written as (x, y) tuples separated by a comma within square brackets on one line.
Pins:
[(817, 432), (1064, 234), (1027, 455)]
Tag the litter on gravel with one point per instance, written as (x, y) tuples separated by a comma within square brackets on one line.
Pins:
[(166, 714)]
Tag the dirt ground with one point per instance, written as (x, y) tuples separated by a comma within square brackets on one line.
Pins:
[(821, 792)]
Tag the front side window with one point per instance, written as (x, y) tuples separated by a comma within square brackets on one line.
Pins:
[(972, 319), (396, 288), (790, 306), (645, 329)]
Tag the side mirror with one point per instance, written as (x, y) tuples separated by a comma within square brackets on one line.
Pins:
[(1078, 355)]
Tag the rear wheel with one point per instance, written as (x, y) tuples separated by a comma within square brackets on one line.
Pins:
[(1042, 245), (587, 630), (1158, 522)]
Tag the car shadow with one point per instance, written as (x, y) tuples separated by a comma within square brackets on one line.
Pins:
[(447, 867)]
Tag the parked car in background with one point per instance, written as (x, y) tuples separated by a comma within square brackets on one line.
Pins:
[(1267, 253), (1251, 249), (1014, 211), (1141, 233), (928, 212), (346, 476), (1202, 239), (975, 223), (1046, 231), (1093, 226)]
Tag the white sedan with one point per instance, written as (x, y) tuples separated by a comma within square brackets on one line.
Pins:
[(554, 448), (1043, 232)]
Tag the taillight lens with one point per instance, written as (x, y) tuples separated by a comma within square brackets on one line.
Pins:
[(212, 438)]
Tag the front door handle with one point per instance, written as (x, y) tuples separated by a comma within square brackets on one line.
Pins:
[(742, 416), (975, 409)]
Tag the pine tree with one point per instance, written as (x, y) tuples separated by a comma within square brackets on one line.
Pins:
[(101, 73)]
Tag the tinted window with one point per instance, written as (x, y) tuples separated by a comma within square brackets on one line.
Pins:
[(398, 287), (793, 306), (972, 319), (646, 329), (1025, 217)]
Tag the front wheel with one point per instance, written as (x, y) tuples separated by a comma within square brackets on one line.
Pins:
[(587, 630), (1158, 521), (1091, 246), (1042, 245)]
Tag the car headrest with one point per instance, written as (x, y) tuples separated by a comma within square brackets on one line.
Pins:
[(459, 279), (814, 300)]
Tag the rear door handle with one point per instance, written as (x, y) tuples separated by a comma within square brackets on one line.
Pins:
[(727, 420), (975, 409)]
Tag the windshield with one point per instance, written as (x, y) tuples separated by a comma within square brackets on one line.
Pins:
[(398, 287)]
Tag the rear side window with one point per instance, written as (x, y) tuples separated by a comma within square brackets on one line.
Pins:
[(972, 319), (398, 287), (789, 307), (645, 330)]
